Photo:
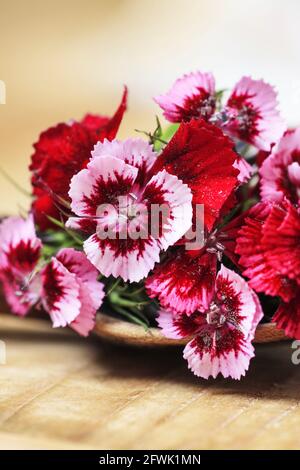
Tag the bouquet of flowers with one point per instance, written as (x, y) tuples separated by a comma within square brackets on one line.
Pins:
[(193, 227)]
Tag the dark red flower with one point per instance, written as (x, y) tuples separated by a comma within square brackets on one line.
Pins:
[(184, 283), (269, 245), (202, 157), (63, 151), (255, 246), (287, 317)]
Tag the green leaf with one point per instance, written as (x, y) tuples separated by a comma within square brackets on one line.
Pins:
[(166, 136)]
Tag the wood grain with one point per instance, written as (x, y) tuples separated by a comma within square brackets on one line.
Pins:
[(61, 391)]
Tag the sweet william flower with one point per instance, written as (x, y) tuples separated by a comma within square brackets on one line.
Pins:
[(20, 251), (67, 287), (222, 334), (287, 316), (119, 178), (71, 293), (268, 245), (61, 152), (184, 281), (280, 171), (202, 157), (252, 115), (191, 96)]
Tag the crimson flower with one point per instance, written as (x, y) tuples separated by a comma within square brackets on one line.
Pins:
[(202, 157), (269, 249), (61, 152)]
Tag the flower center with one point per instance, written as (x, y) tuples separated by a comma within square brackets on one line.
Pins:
[(214, 316), (201, 105)]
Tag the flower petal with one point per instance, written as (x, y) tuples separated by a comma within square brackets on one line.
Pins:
[(183, 283), (191, 96), (239, 299), (77, 263), (134, 152), (61, 293), (202, 157), (232, 362), (287, 317), (280, 171), (19, 256), (60, 153), (102, 182), (255, 118), (165, 190), (263, 276), (177, 326), (130, 259), (20, 247)]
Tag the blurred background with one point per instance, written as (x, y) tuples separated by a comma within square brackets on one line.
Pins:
[(63, 58)]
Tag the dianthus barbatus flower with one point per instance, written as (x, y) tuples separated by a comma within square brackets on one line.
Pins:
[(268, 244), (282, 251), (252, 114), (113, 199), (61, 152), (66, 287), (287, 316), (20, 251), (201, 156), (222, 334), (269, 247), (191, 96), (280, 171), (71, 293), (184, 281)]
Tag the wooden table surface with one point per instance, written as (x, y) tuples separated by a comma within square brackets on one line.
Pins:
[(60, 391)]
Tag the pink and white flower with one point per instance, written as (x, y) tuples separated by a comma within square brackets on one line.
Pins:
[(19, 257), (71, 292), (222, 335), (113, 199), (280, 172), (191, 96), (252, 114), (66, 287)]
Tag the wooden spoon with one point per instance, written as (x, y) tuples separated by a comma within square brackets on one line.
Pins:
[(122, 332)]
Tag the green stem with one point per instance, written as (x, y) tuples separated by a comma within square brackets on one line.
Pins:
[(131, 317), (113, 286)]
